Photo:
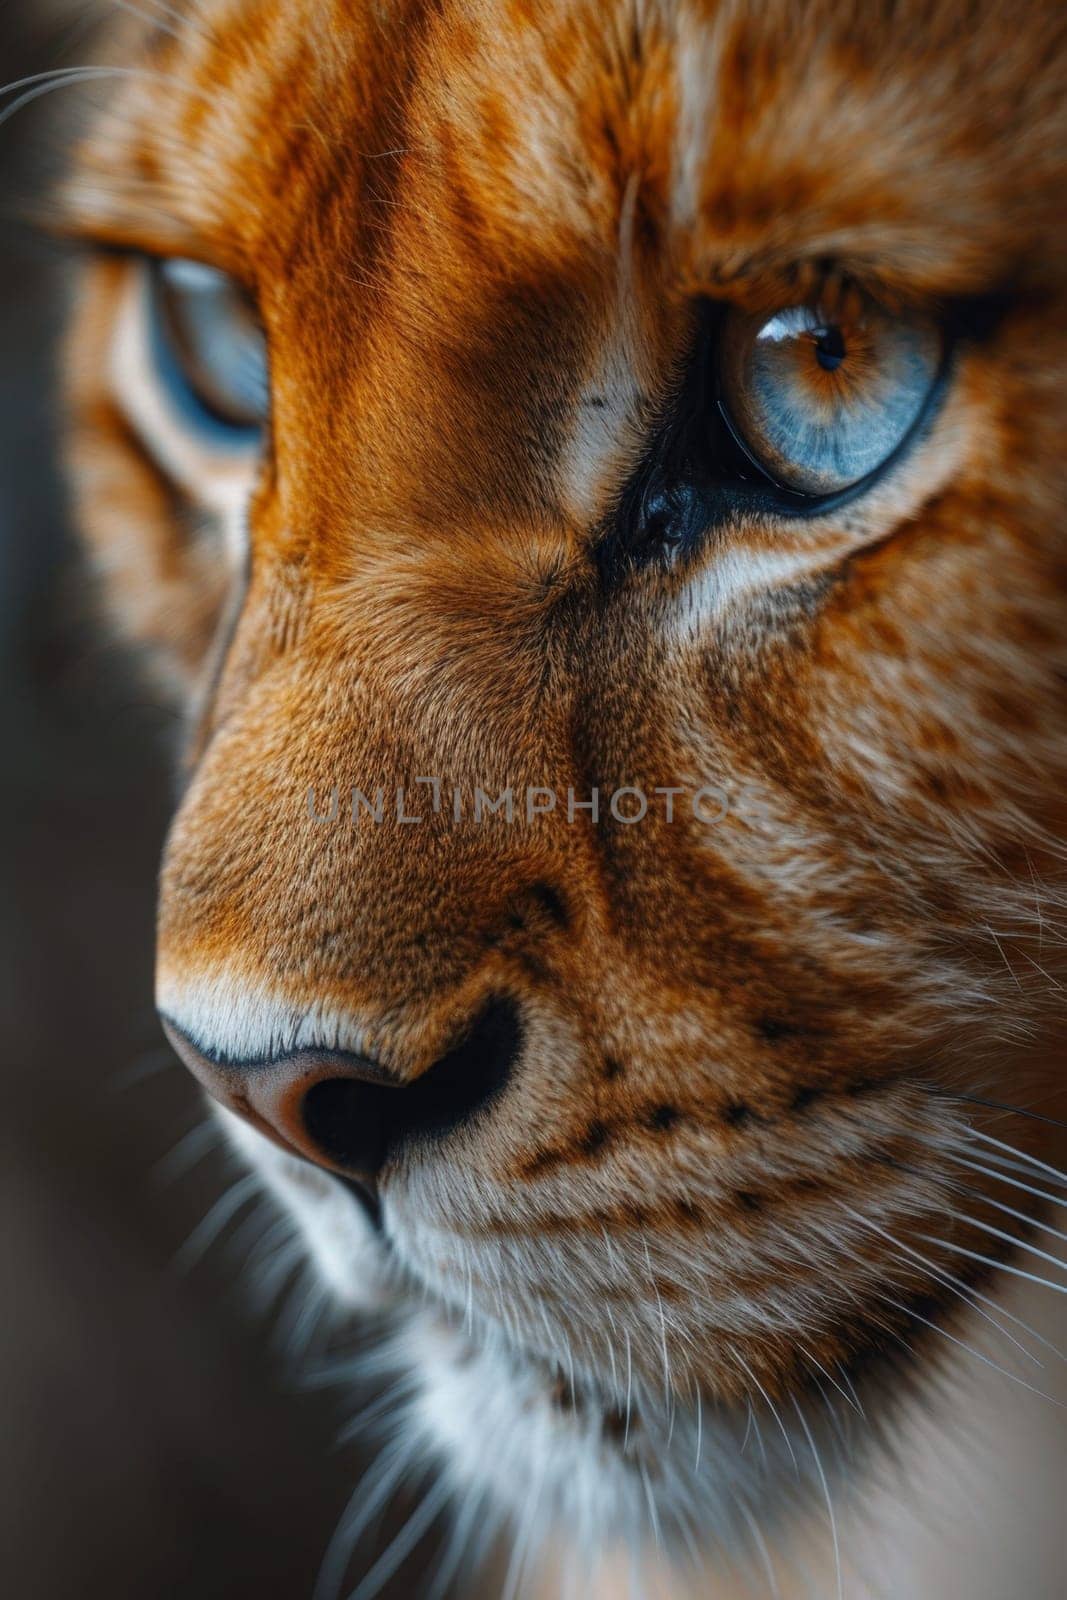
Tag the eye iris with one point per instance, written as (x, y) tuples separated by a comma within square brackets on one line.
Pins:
[(820, 404), (210, 348)]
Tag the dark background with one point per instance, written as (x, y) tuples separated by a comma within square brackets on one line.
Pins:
[(155, 1439)]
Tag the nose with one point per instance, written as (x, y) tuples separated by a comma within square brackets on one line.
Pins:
[(349, 1113)]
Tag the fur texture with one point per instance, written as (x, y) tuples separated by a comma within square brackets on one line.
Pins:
[(743, 1161)]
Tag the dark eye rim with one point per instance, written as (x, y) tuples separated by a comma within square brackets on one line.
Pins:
[(687, 488), (193, 407)]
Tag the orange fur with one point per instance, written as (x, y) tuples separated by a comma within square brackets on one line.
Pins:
[(460, 221)]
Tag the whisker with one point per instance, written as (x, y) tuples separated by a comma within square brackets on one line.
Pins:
[(184, 19), (847, 1398), (364, 1419), (51, 73), (271, 1262), (520, 1550), (629, 1390), (761, 1546), (1006, 1164), (1011, 1211), (379, 1361), (743, 1364), (396, 1552), (653, 1514), (990, 1261), (1011, 1150), (463, 1525), (1009, 1238), (378, 1487), (611, 1350), (189, 1151), (748, 1429), (758, 1432), (295, 1331), (826, 1495), (987, 1361), (991, 1105), (965, 1289), (153, 20), (59, 77), (1002, 1177), (223, 1211), (668, 1392), (840, 1438), (843, 1370), (147, 1065)]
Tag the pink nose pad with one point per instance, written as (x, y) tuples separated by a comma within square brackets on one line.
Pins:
[(348, 1113), (330, 1106)]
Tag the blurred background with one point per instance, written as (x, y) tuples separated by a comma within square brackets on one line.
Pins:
[(157, 1438)]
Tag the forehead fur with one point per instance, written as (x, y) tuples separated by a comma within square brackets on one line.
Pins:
[(748, 137)]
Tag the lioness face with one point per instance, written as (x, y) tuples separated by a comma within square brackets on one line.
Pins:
[(594, 476)]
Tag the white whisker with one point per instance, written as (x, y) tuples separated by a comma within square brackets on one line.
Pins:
[(1012, 1211), (826, 1496), (189, 1151), (383, 1405), (400, 1547), (1009, 1238), (1024, 1155), (473, 1509), (653, 1514), (965, 1290), (987, 1361), (990, 1261), (378, 1487), (521, 1544), (208, 1230), (629, 1390), (847, 1398), (147, 1065), (739, 1358), (761, 1546), (146, 16), (60, 77), (184, 19), (1002, 1177)]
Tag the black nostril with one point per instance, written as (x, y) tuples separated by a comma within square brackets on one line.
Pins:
[(468, 1077), (357, 1125), (346, 1121)]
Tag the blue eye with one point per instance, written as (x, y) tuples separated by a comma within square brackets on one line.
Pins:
[(210, 351), (820, 403)]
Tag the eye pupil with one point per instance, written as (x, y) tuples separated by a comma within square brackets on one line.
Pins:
[(829, 347)]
